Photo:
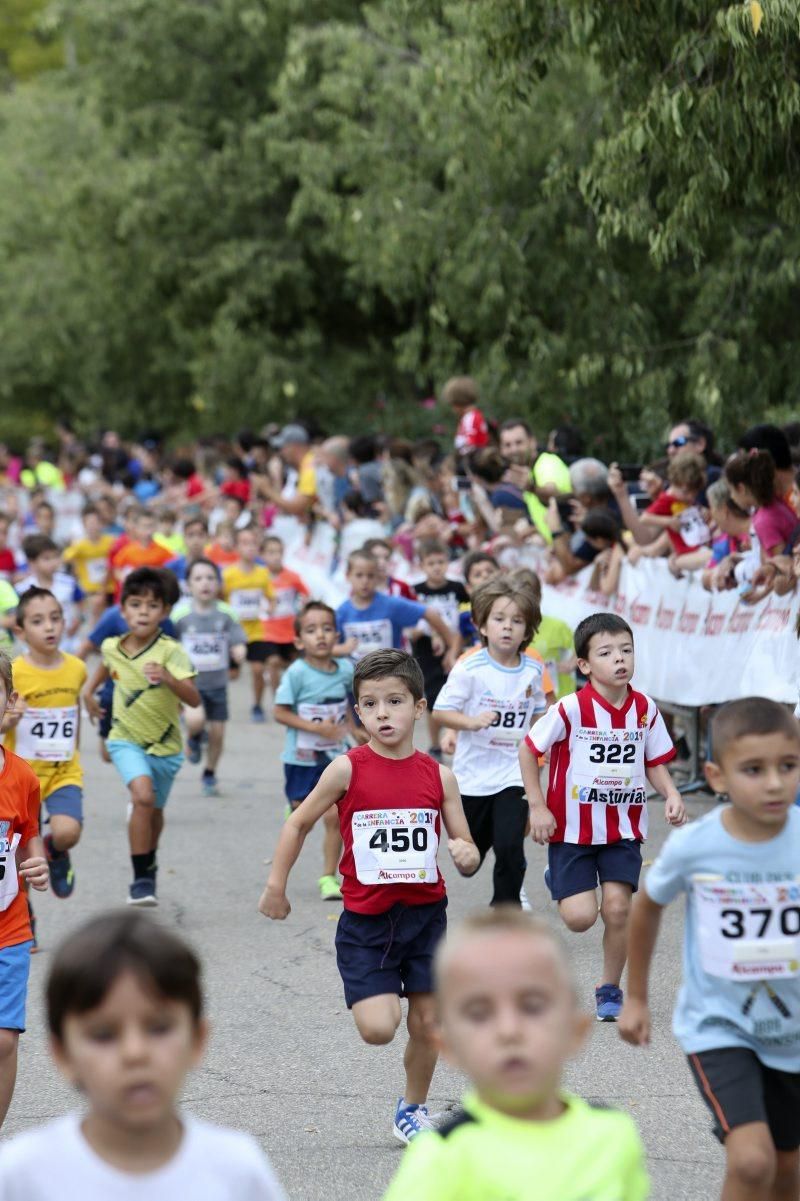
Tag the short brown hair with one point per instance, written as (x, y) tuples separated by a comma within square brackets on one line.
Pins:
[(380, 665), (687, 470), (431, 547), (501, 919), (460, 392), (27, 599), (89, 962), (502, 588), (6, 675), (752, 715), (360, 554), (309, 607), (36, 545)]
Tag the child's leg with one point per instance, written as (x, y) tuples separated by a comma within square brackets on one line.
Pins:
[(65, 832), (615, 908), (377, 1018), (9, 1040), (750, 1169), (478, 812), (579, 912), (195, 721), (421, 1052), (331, 842), (141, 826), (276, 666), (216, 740), (509, 818), (786, 1186), (257, 671)]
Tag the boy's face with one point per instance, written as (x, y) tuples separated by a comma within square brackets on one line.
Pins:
[(388, 710), (609, 660), (91, 523), (144, 528), (683, 492), (317, 635), (247, 546), (363, 579), (47, 564), (381, 555), (273, 557), (131, 1054), (760, 773), (45, 519), (505, 626), (195, 538), (508, 1018), (479, 574), (204, 583), (43, 626), (143, 614), (435, 568)]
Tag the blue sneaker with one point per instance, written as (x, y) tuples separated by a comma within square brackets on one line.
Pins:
[(608, 1000), (143, 892), (193, 748), (62, 876), (410, 1120), (209, 786), (257, 715)]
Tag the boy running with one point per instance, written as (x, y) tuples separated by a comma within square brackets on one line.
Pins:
[(44, 727), (738, 1011), (89, 557), (490, 699), (279, 630), (392, 801), (510, 1021), (152, 676), (606, 743), (212, 638), (125, 1015), (21, 856), (447, 596), (248, 589), (44, 560), (311, 702)]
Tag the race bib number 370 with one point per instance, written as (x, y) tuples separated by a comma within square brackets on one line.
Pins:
[(748, 931), (395, 846)]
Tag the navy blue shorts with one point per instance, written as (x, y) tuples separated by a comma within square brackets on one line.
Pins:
[(301, 778), (215, 703), (391, 952), (575, 869)]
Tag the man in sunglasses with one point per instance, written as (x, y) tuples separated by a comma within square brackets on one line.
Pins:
[(694, 435)]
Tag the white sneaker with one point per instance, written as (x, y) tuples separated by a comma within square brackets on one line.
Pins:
[(523, 900)]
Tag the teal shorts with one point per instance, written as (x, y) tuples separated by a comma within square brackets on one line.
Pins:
[(132, 761)]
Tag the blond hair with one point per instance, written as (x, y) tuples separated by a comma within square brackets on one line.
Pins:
[(500, 919)]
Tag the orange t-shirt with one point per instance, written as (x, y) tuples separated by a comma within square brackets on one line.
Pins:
[(19, 814), (134, 555), (221, 557), (289, 588)]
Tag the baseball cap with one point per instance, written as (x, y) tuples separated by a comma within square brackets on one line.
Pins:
[(290, 433)]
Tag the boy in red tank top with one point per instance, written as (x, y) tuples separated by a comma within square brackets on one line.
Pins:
[(392, 801)]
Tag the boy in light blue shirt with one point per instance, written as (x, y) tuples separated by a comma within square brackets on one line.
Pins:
[(738, 1011), (311, 701)]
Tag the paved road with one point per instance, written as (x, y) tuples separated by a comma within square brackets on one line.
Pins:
[(285, 1062)]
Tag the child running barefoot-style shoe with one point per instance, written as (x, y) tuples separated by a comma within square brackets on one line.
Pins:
[(143, 892), (410, 1120), (62, 875), (608, 1000), (329, 889)]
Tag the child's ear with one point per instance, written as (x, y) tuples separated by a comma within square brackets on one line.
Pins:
[(58, 1054), (584, 668), (420, 708), (716, 777)]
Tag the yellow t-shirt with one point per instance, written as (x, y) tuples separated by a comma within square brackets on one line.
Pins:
[(246, 591), (90, 560), (307, 476), (46, 735), (144, 713)]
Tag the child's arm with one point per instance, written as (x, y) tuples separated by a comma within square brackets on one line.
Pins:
[(543, 822), (326, 729), (90, 687), (454, 720), (448, 636), (659, 522), (465, 854), (333, 784), (185, 690), (674, 808), (32, 864), (634, 1021)]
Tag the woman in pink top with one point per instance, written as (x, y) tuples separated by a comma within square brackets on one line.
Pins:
[(751, 477)]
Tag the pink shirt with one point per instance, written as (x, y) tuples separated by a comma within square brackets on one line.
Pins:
[(774, 524)]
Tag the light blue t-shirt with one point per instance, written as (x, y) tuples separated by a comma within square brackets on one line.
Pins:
[(314, 695), (380, 626), (741, 947)]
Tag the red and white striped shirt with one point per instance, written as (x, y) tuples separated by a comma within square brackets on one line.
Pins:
[(599, 755), (472, 432)]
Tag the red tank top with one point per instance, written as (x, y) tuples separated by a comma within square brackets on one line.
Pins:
[(390, 818)]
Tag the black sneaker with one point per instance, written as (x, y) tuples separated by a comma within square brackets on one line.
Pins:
[(62, 875), (143, 892)]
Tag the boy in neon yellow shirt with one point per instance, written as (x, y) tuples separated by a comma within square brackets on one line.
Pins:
[(509, 1019)]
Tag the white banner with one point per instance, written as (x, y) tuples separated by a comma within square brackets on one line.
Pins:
[(692, 647)]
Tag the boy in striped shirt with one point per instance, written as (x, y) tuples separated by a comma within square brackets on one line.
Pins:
[(606, 743)]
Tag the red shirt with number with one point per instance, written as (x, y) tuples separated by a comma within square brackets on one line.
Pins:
[(19, 823), (390, 819)]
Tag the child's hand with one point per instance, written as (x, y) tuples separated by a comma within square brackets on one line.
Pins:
[(93, 707), (12, 716), (36, 873), (447, 742), (348, 646), (274, 905), (675, 810), (465, 855), (331, 730), (481, 721), (155, 673), (543, 824), (634, 1022), (449, 660)]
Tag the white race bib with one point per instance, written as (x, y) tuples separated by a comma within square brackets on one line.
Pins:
[(748, 931), (208, 652), (9, 878), (246, 603), (371, 636), (97, 570), (285, 602), (48, 735), (395, 846), (333, 711), (608, 766), (693, 528), (512, 720)]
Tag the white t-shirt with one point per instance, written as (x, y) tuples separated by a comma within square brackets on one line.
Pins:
[(487, 761), (211, 1164)]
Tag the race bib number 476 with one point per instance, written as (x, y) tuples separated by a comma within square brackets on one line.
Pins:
[(395, 846)]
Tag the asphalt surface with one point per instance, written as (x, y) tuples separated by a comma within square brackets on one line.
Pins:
[(285, 1062)]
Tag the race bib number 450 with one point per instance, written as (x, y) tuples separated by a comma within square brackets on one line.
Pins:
[(395, 846), (47, 735), (748, 931)]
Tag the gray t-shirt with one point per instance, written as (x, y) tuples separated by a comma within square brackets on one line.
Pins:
[(207, 639)]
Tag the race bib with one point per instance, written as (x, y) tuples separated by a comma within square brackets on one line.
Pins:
[(608, 766), (748, 931), (285, 602), (693, 528), (47, 735), (9, 878), (395, 846), (246, 603), (512, 720), (97, 570), (306, 741), (208, 652), (371, 636)]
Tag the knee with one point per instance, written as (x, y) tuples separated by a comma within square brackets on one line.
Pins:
[(752, 1167), (421, 1026), (615, 911), (377, 1033), (8, 1045), (580, 920), (143, 795), (68, 836)]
